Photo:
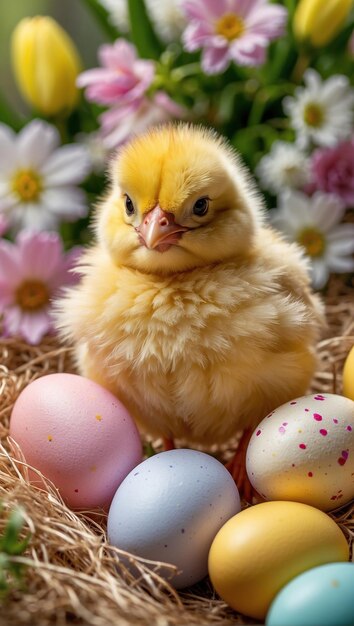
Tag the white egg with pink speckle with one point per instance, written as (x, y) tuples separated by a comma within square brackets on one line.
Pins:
[(304, 452)]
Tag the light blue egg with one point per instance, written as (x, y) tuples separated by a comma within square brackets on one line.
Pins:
[(322, 596)]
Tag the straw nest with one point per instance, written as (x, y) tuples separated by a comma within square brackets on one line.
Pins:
[(72, 576)]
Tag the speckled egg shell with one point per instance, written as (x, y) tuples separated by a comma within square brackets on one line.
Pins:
[(78, 435), (321, 596), (304, 451), (170, 507)]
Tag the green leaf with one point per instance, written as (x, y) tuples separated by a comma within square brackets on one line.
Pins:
[(227, 100), (149, 449), (7, 115), (291, 6), (142, 32), (102, 17), (9, 542)]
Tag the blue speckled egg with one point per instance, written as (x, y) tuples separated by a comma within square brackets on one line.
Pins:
[(170, 507), (322, 596)]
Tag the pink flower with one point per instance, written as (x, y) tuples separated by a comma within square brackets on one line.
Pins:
[(32, 271), (123, 78), (333, 171), (232, 30), (4, 225), (118, 123)]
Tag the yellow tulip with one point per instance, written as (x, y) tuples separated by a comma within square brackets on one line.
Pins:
[(46, 64), (318, 21)]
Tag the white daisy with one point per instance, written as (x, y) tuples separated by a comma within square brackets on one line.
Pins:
[(314, 224), (285, 166), (321, 112), (118, 13), (167, 17), (38, 178)]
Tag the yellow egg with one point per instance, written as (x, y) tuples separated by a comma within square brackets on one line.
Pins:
[(348, 375), (262, 548)]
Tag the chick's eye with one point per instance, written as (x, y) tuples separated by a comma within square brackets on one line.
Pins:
[(129, 206), (201, 206)]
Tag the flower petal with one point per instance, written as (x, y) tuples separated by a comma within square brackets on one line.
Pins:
[(341, 264), (215, 60), (296, 208), (312, 80), (33, 326), (196, 35), (120, 54), (8, 199), (268, 20), (67, 274), (7, 295), (11, 321), (249, 50), (204, 10), (35, 143), (340, 240), (327, 210), (32, 216), (10, 271), (319, 273), (40, 254), (161, 99), (67, 203), (67, 166)]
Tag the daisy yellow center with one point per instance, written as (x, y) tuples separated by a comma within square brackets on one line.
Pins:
[(313, 115), (32, 295), (313, 241), (27, 184), (230, 26)]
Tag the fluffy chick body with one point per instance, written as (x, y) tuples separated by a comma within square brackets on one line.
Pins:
[(205, 338)]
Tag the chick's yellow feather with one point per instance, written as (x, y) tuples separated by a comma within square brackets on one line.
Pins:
[(206, 337)]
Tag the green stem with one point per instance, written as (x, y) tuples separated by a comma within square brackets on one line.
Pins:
[(102, 17), (301, 65), (7, 115), (61, 125), (182, 72)]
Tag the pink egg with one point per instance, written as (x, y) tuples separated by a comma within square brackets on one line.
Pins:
[(79, 435)]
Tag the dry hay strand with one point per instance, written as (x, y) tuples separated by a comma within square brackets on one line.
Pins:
[(72, 575)]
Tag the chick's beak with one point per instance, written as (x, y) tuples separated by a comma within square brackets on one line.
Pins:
[(158, 230)]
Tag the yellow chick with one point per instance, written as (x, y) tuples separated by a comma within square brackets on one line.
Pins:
[(191, 309)]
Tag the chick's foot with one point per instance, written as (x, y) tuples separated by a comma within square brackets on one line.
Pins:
[(237, 469), (168, 444)]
